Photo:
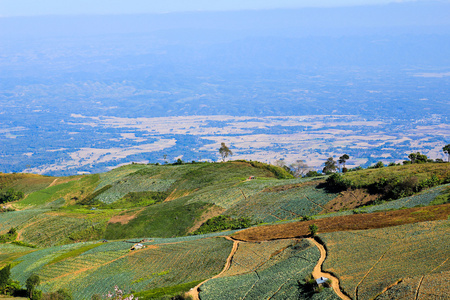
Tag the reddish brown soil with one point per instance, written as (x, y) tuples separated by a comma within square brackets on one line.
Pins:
[(124, 219), (343, 223)]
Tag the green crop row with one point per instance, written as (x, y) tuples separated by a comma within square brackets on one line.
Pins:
[(95, 271), (370, 259), (278, 278)]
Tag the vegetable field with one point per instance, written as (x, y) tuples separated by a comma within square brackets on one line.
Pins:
[(280, 277), (97, 270), (287, 204), (369, 261)]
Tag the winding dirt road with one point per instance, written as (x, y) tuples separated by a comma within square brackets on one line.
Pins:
[(317, 272), (194, 291)]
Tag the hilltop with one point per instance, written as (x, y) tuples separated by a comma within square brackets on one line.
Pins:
[(76, 232)]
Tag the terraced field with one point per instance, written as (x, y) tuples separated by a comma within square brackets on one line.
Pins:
[(293, 202), (279, 277), (369, 261), (97, 270)]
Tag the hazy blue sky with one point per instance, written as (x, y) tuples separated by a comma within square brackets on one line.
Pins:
[(58, 7)]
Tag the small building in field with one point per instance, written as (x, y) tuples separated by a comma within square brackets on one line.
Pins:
[(137, 247), (321, 280)]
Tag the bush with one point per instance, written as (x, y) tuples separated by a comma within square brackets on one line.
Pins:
[(224, 222), (313, 229), (337, 183), (61, 294), (11, 235), (279, 172), (10, 195), (37, 295)]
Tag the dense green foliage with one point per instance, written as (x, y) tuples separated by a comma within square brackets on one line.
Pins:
[(10, 236), (403, 181), (10, 195), (223, 222)]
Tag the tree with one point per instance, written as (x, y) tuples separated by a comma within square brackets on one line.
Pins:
[(4, 276), (330, 166), (32, 282), (342, 161), (299, 168), (446, 150), (417, 158), (224, 151), (313, 229)]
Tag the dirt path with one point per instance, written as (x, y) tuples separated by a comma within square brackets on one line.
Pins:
[(317, 272), (194, 291), (53, 183)]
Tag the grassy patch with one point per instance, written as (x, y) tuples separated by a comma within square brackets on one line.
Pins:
[(221, 223), (168, 219), (74, 253), (139, 199), (169, 291), (442, 199)]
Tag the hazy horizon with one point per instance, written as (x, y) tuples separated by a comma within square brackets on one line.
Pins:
[(11, 8)]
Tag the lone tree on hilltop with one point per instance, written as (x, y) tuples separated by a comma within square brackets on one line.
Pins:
[(225, 151), (342, 160), (330, 166), (446, 150)]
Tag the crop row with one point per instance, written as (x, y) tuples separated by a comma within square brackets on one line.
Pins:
[(283, 205), (96, 271), (422, 247), (249, 256), (49, 230), (278, 276), (117, 174), (134, 184), (17, 218)]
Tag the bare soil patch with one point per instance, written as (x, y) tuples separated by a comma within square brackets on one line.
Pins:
[(208, 214), (125, 218), (345, 223), (177, 194), (350, 199)]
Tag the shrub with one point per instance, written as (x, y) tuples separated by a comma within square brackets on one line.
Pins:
[(313, 229), (337, 183), (61, 294), (279, 172), (224, 222)]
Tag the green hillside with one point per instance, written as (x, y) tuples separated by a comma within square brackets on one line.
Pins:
[(161, 205)]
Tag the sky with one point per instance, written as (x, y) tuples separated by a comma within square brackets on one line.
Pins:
[(10, 8)]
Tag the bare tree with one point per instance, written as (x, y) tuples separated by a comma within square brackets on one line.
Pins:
[(299, 168)]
